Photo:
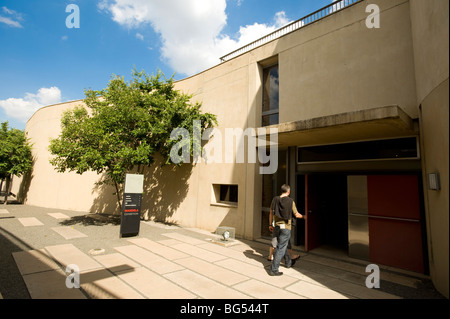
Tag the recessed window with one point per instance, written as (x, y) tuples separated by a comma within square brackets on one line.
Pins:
[(401, 148), (226, 194), (271, 96)]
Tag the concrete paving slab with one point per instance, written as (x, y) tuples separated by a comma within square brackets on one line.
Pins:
[(358, 291), (58, 215), (315, 278), (148, 259), (169, 242), (50, 285), (116, 262), (312, 291), (159, 249), (315, 272), (399, 279), (4, 212), (29, 221), (34, 261), (69, 254), (212, 271), (68, 232), (102, 284), (184, 238), (199, 252), (253, 245), (153, 286), (204, 287), (245, 253), (360, 268), (304, 264), (259, 273), (261, 290)]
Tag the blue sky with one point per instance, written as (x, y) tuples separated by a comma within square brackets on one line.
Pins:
[(44, 62)]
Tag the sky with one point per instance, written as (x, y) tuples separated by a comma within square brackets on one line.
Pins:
[(53, 50)]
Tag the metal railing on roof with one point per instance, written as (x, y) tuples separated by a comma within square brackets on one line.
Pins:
[(293, 26)]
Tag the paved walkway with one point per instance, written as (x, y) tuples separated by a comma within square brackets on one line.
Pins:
[(164, 261)]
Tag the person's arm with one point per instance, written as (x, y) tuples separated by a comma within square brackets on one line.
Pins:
[(271, 220), (295, 212), (271, 216)]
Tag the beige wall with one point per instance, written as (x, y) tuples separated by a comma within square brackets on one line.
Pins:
[(339, 65), (430, 29), (49, 188)]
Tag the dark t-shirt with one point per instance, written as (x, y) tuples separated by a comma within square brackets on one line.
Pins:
[(283, 207)]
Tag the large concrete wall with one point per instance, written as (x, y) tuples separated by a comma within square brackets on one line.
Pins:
[(339, 65), (47, 187), (430, 30)]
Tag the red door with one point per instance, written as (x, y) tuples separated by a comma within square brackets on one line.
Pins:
[(395, 232), (312, 221)]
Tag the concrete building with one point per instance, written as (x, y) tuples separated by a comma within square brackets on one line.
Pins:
[(362, 116)]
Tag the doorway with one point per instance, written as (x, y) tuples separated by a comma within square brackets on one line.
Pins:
[(323, 197)]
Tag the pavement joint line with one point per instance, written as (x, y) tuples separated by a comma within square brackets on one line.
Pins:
[(118, 277), (61, 267), (123, 281), (176, 283), (198, 272)]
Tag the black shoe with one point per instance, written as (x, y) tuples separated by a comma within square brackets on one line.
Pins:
[(293, 263), (278, 273)]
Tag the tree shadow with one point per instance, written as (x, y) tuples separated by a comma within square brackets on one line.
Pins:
[(12, 285), (92, 220), (106, 200), (165, 189), (26, 183)]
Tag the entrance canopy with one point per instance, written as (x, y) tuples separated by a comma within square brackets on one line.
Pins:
[(377, 123)]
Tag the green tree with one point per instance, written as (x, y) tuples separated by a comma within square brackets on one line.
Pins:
[(15, 155), (124, 126)]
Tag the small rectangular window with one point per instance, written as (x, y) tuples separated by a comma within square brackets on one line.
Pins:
[(229, 193), (225, 194)]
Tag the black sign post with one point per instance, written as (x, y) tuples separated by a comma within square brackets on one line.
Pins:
[(131, 206)]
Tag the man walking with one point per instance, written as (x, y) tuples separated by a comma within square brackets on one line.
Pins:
[(281, 211)]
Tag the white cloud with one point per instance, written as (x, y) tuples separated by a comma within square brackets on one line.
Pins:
[(11, 18), (190, 30), (139, 36), (23, 108)]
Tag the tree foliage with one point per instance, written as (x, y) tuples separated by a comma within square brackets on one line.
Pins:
[(15, 154), (124, 126)]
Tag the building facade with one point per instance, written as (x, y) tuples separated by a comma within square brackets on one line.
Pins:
[(361, 115)]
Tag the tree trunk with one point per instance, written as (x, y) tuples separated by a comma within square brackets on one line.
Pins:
[(7, 189), (118, 195)]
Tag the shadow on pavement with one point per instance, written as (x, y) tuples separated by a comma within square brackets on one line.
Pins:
[(92, 220), (12, 285)]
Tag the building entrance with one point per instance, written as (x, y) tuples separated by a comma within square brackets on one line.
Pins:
[(323, 198), (377, 218)]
